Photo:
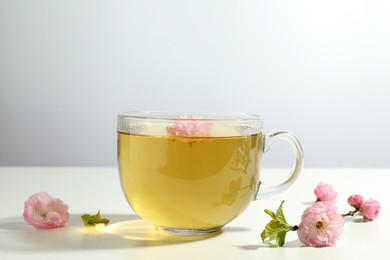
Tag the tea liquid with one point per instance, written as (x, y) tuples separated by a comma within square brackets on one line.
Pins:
[(184, 182)]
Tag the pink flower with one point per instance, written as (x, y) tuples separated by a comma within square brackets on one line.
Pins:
[(194, 126), (324, 192), (44, 212), (370, 209), (355, 201), (321, 225)]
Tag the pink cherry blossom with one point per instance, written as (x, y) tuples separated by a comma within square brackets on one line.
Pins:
[(355, 200), (45, 212), (324, 192), (190, 126), (370, 209), (321, 225)]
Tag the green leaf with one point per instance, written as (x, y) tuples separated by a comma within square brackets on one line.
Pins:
[(280, 215), (269, 212), (281, 236), (263, 235), (94, 219), (277, 228), (86, 218)]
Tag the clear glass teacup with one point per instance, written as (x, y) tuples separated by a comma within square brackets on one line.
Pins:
[(192, 172)]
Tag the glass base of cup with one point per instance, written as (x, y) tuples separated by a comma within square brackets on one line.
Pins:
[(188, 231)]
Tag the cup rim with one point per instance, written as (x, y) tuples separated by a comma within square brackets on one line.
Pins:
[(205, 115)]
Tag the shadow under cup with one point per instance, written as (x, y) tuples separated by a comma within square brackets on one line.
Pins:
[(189, 172)]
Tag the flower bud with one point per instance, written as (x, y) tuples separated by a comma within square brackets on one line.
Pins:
[(370, 209), (355, 201)]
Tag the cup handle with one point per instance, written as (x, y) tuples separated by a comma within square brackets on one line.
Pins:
[(268, 140)]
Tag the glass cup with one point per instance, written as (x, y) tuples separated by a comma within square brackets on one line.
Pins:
[(191, 172)]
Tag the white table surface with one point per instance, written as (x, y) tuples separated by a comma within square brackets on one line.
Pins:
[(86, 190)]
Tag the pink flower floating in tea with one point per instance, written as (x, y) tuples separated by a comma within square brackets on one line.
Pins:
[(195, 126), (321, 223), (45, 212)]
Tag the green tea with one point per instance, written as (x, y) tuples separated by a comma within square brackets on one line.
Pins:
[(186, 182)]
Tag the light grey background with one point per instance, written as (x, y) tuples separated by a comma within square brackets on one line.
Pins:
[(317, 68)]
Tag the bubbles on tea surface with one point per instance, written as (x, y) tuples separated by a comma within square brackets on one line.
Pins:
[(132, 126)]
